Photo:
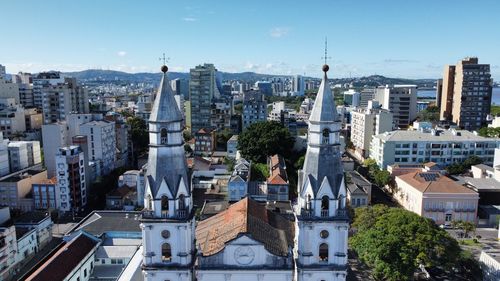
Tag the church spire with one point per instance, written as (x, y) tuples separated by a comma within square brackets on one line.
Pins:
[(165, 108), (324, 109)]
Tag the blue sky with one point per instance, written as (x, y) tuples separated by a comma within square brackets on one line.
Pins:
[(412, 39)]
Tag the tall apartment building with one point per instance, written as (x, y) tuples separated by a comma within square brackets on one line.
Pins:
[(202, 89), (254, 108), (101, 143), (466, 93), (24, 154), (352, 98), (71, 181), (298, 86), (401, 100), (9, 90), (366, 123), (61, 99), (54, 136), (12, 120), (4, 156), (43, 81), (221, 112), (443, 147)]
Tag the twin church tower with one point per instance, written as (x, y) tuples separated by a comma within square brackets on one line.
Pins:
[(315, 244)]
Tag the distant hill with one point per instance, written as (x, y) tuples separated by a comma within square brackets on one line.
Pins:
[(96, 75)]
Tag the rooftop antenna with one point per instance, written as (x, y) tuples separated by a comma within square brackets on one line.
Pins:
[(326, 57), (164, 59)]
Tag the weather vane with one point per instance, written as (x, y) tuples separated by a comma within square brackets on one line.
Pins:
[(326, 57), (164, 59)]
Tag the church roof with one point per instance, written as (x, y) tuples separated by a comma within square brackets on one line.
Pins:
[(245, 217), (324, 109), (165, 107)]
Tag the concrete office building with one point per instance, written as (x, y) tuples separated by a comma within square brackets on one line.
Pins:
[(366, 123), (443, 147), (466, 94), (366, 95), (265, 87), (401, 100), (202, 89), (352, 98), (298, 86)]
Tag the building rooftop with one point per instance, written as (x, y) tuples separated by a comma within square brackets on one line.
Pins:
[(495, 254), (65, 259), (434, 182), (442, 135), (99, 222), (111, 252), (33, 217), (484, 167), (481, 184), (245, 217)]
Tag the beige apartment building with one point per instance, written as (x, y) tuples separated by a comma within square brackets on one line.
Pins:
[(466, 93), (435, 196)]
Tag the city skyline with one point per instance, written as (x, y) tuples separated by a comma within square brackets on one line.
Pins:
[(394, 39)]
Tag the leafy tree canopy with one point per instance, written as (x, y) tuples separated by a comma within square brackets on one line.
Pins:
[(488, 132), (263, 139), (430, 114), (139, 133), (394, 242), (460, 168)]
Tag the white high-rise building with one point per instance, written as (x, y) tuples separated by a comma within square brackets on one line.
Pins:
[(321, 210), (168, 222), (24, 154), (71, 188), (401, 100), (367, 122), (54, 136), (352, 98), (101, 141), (298, 86)]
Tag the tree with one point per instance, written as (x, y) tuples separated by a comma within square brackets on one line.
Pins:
[(395, 242), (222, 138), (139, 134), (430, 114), (382, 178), (259, 172), (460, 168), (263, 139), (489, 132)]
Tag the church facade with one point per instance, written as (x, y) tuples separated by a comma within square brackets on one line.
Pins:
[(249, 240)]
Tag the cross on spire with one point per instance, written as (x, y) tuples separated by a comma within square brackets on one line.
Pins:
[(164, 59), (326, 57)]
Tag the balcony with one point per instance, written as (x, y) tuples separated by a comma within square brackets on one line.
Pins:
[(179, 214), (341, 214)]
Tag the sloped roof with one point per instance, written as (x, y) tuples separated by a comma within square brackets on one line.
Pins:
[(165, 107), (245, 217), (433, 182), (324, 106), (278, 173), (65, 259)]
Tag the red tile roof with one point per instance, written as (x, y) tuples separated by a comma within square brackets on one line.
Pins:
[(278, 173), (65, 259), (245, 217), (433, 182)]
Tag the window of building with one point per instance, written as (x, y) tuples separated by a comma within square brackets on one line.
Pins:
[(326, 136), (182, 202), (166, 252), (163, 136), (323, 252), (308, 202), (324, 234), (165, 234), (325, 201), (85, 272), (164, 204)]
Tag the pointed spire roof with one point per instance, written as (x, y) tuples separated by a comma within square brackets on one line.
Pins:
[(324, 109), (165, 107)]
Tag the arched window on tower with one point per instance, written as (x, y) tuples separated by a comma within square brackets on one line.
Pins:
[(326, 136), (323, 252), (150, 203), (164, 206), (163, 136), (182, 202), (325, 204), (308, 202), (166, 252)]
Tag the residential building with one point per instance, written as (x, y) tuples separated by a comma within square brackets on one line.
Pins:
[(366, 95), (2, 72), (12, 121), (26, 95), (180, 87), (4, 156), (435, 196), (33, 118), (71, 182), (8, 244), (235, 124), (42, 82), (422, 105), (401, 100), (34, 231), (238, 183), (76, 120), (144, 104), (466, 93), (15, 187), (254, 108), (322, 196), (352, 98), (221, 112), (367, 122), (265, 87), (24, 154), (54, 136), (232, 146), (205, 141), (202, 89), (61, 99), (101, 140), (122, 198), (359, 189), (9, 90), (46, 194), (443, 147), (277, 182)]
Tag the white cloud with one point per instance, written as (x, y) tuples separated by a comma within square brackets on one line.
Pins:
[(278, 32), (121, 53), (189, 19)]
